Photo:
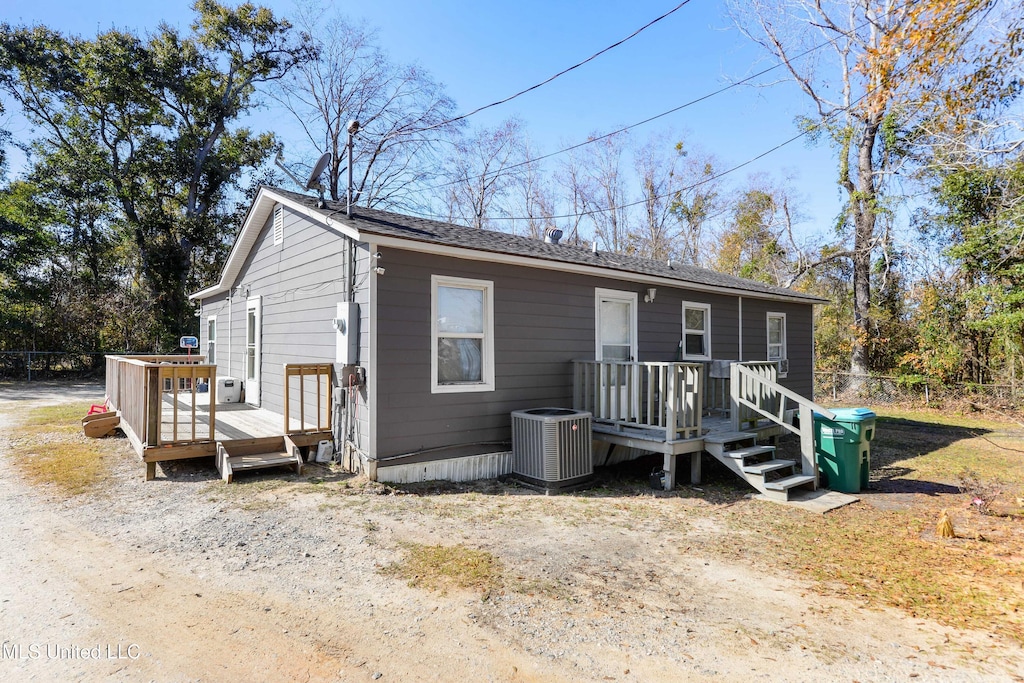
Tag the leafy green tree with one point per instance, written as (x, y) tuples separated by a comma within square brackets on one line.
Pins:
[(144, 131)]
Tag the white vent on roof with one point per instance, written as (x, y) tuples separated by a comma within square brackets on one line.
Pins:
[(278, 224)]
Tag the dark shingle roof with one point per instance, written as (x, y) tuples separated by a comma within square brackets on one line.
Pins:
[(376, 222)]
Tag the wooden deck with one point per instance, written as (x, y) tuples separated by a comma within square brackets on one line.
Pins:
[(234, 420), (166, 417), (236, 423)]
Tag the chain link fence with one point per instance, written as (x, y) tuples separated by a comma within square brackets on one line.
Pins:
[(46, 365), (846, 388)]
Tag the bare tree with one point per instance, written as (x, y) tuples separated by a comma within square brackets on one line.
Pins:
[(605, 185), (401, 110), (481, 173), (655, 235), (698, 202), (573, 187), (536, 198)]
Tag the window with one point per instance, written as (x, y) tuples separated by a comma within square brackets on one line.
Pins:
[(462, 335), (211, 340), (278, 224), (777, 339), (696, 331)]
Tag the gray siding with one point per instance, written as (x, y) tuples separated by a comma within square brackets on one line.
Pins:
[(799, 339), (542, 321), (300, 282)]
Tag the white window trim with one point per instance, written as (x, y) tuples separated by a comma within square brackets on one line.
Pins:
[(278, 224), (707, 330), (211, 343), (487, 364), (615, 295), (253, 384), (768, 343)]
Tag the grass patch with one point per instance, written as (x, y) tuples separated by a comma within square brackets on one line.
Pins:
[(49, 449), (442, 567), (889, 554), (941, 447), (891, 558)]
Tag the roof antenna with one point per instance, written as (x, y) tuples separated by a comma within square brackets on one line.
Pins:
[(353, 128)]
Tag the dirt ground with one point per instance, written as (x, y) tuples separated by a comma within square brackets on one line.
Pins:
[(276, 578)]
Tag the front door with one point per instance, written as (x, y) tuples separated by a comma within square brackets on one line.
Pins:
[(616, 341), (253, 350)]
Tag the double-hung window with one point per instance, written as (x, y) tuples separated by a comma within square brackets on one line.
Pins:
[(696, 331), (462, 335)]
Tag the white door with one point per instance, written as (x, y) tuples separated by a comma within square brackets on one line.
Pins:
[(616, 341), (253, 350)]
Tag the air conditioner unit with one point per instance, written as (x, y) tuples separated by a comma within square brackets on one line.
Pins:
[(551, 448), (783, 367)]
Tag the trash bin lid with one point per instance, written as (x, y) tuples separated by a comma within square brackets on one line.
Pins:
[(854, 414)]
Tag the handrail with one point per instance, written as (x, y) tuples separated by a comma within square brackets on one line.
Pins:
[(754, 386), (135, 388), (321, 373), (662, 396)]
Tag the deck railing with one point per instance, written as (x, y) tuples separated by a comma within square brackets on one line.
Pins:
[(136, 387), (657, 396), (755, 394)]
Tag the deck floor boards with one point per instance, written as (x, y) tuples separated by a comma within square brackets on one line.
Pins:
[(233, 420)]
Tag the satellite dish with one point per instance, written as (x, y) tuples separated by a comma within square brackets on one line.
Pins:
[(318, 170), (314, 178)]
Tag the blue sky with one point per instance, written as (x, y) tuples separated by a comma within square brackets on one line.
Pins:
[(485, 51)]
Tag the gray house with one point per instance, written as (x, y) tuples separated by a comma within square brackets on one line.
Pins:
[(437, 333)]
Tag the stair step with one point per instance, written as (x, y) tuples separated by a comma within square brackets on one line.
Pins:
[(730, 437), (769, 466), (787, 483), (748, 452), (258, 460)]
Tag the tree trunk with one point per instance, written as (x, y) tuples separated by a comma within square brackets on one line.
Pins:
[(862, 208)]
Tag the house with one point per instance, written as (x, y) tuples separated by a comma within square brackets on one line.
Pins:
[(438, 332)]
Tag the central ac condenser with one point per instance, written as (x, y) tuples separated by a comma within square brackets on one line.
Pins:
[(551, 447)]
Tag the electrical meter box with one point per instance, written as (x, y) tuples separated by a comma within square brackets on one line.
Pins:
[(347, 325)]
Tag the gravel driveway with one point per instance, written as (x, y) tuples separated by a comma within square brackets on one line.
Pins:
[(277, 578)]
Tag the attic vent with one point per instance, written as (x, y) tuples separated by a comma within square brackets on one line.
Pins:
[(552, 235), (278, 224)]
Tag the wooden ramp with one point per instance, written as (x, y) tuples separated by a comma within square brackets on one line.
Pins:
[(239, 455)]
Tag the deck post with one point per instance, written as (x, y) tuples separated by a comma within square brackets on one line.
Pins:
[(695, 467), (808, 458), (735, 389), (154, 408), (670, 471), (671, 401)]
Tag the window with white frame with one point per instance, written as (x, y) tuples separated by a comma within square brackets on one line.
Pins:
[(462, 335), (211, 339), (777, 336), (696, 331)]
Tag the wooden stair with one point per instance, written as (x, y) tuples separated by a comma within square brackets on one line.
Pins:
[(757, 465), (251, 454)]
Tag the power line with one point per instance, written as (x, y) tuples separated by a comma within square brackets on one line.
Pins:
[(663, 114), (704, 181), (557, 75)]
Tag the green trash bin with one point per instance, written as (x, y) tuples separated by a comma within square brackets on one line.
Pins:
[(843, 448)]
